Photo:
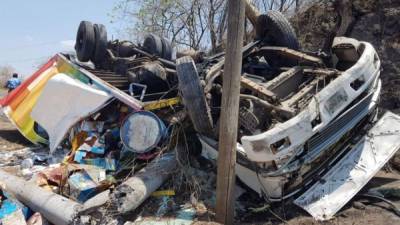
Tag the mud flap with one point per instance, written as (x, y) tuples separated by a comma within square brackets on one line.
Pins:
[(342, 182)]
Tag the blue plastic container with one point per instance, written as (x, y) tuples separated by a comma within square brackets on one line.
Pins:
[(142, 131)]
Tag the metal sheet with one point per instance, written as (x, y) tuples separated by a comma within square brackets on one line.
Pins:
[(62, 103), (341, 183)]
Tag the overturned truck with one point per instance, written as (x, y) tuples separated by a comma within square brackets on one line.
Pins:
[(294, 122), (300, 112)]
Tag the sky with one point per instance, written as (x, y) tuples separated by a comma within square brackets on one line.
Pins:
[(32, 31)]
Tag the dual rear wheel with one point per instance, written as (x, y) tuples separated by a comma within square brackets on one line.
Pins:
[(91, 43)]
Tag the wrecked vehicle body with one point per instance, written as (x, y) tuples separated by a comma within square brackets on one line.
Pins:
[(278, 161), (294, 112)]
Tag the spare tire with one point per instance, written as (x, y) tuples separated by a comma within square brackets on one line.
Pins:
[(166, 49), (193, 95), (153, 45), (100, 51), (85, 41), (276, 30)]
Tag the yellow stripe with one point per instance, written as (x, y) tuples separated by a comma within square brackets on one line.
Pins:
[(161, 103), (163, 193)]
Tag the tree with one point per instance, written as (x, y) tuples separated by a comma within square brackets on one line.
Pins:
[(197, 24), (282, 5), (5, 74), (186, 23)]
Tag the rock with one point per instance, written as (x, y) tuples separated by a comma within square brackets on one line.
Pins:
[(314, 25), (364, 30)]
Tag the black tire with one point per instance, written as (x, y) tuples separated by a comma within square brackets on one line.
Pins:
[(153, 45), (193, 95), (85, 41), (275, 29), (167, 49), (100, 50)]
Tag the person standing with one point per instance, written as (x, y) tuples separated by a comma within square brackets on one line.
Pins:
[(13, 82)]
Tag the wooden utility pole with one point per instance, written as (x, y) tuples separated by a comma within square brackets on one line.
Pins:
[(230, 113)]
